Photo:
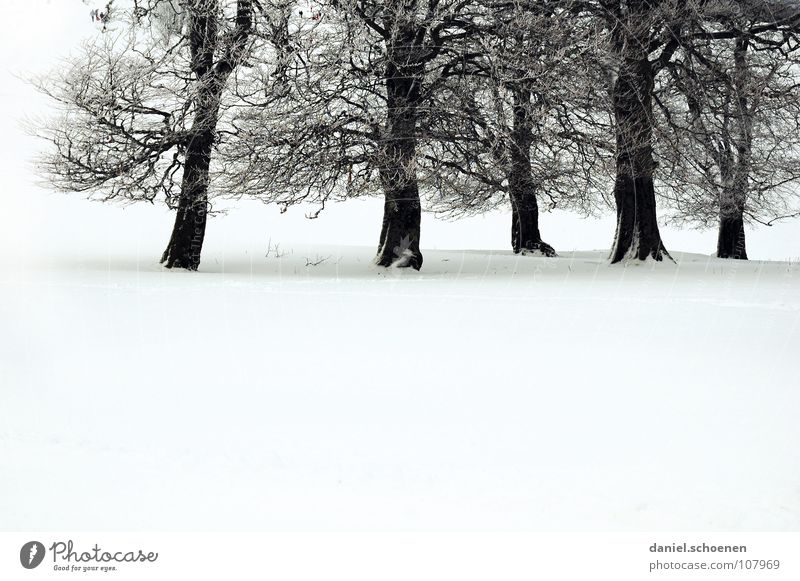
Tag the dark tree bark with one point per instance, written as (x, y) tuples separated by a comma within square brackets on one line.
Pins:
[(402, 214), (188, 233), (637, 235), (731, 242), (400, 231), (525, 236), (733, 197)]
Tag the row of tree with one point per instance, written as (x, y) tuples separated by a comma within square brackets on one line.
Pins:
[(458, 105)]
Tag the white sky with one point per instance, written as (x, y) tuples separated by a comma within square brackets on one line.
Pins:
[(35, 222)]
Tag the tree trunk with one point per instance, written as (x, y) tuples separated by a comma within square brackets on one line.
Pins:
[(188, 233), (402, 211), (525, 236), (731, 243), (637, 236), (400, 232), (733, 196)]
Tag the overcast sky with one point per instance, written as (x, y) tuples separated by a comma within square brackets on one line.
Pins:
[(35, 222)]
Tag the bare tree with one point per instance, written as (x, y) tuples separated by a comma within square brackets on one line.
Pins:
[(643, 35), (355, 81), (733, 109), (214, 56), (525, 120), (141, 106)]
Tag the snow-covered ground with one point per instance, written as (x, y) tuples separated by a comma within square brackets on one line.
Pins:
[(487, 392)]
